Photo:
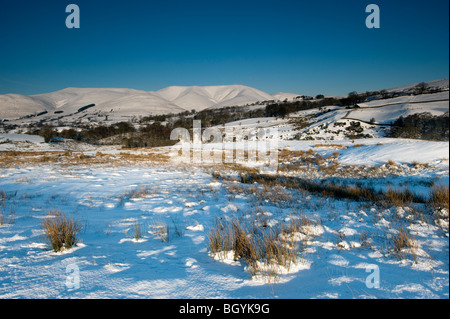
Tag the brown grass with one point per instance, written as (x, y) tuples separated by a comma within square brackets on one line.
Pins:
[(167, 231), (140, 192), (2, 196), (365, 239), (137, 231), (67, 158), (419, 165), (402, 243), (401, 197), (254, 245), (391, 163), (357, 193), (275, 189), (61, 232), (310, 164), (440, 197), (439, 201), (274, 194), (7, 219)]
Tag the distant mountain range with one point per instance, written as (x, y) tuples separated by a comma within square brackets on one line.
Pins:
[(71, 103), (173, 99)]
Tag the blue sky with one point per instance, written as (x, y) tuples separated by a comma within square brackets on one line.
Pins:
[(304, 47)]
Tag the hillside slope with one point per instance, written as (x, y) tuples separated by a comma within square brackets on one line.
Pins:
[(129, 102)]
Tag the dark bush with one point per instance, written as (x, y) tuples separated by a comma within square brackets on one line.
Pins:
[(423, 126)]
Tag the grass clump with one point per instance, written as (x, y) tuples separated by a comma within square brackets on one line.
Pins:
[(263, 249), (440, 197), (403, 243), (61, 232), (137, 231), (2, 196), (140, 192), (439, 201), (401, 197), (5, 219), (332, 189), (167, 231)]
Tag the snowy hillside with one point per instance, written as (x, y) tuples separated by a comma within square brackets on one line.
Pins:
[(370, 120), (17, 105), (201, 97), (72, 105), (441, 83), (67, 102), (124, 103)]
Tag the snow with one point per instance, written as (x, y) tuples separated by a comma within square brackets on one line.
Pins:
[(119, 103), (13, 137), (441, 83), (16, 105), (201, 97), (388, 114), (114, 264), (281, 96), (387, 111), (340, 241), (379, 151)]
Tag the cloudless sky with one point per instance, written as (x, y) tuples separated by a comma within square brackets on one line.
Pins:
[(304, 47)]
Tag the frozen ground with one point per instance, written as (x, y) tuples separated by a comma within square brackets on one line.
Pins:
[(343, 244), (147, 221)]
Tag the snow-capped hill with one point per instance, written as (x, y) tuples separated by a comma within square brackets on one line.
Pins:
[(71, 99), (202, 97), (17, 105), (189, 98), (123, 103), (119, 102), (139, 104), (73, 104), (237, 95)]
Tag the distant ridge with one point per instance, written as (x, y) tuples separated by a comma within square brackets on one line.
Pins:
[(123, 103), (173, 99)]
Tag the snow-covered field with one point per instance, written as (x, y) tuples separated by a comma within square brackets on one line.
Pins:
[(339, 217), (346, 245)]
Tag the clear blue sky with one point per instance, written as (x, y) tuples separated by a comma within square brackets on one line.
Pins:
[(305, 47)]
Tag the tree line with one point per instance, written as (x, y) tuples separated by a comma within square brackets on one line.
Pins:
[(422, 126)]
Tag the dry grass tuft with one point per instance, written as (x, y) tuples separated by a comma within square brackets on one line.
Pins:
[(140, 192), (440, 197), (402, 243), (262, 248), (167, 231), (401, 197), (439, 201), (137, 231), (391, 163), (73, 158), (3, 197), (61, 232)]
